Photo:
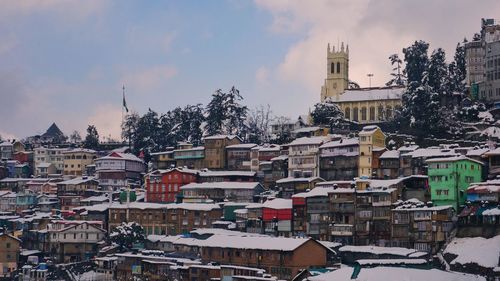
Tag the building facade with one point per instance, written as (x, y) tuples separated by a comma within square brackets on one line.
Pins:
[(77, 160)]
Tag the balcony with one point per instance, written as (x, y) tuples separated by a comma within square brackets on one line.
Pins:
[(342, 230)]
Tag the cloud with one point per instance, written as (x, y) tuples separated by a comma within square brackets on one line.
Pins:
[(262, 75), (107, 119), (149, 79), (373, 29), (63, 9)]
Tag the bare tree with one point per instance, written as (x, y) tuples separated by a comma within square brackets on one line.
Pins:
[(258, 124)]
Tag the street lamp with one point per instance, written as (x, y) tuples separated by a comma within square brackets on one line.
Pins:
[(370, 75)]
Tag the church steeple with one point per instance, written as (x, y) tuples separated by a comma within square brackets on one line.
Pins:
[(337, 78)]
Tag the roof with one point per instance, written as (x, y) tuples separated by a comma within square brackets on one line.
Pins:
[(371, 94), (495, 151), (291, 179), (479, 250), (241, 146), (253, 242), (307, 129), (80, 150), (310, 141), (431, 152), (78, 180), (453, 159), (477, 152), (280, 158), (44, 165), (119, 155), (390, 273), (53, 130), (217, 137), (390, 154), (278, 204), (196, 148), (221, 185), (340, 143), (227, 174), (397, 251)]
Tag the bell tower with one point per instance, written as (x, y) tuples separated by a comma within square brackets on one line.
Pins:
[(337, 69)]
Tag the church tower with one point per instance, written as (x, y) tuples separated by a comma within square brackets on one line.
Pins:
[(337, 67)]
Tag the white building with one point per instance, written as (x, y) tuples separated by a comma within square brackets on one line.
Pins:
[(117, 170), (44, 155), (303, 156)]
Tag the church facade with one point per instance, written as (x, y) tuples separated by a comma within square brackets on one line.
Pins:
[(363, 105)]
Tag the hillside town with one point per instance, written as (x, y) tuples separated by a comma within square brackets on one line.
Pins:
[(349, 198)]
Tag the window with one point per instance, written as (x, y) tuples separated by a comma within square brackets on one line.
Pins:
[(363, 113), (338, 67), (332, 68), (348, 113), (372, 113), (355, 114)]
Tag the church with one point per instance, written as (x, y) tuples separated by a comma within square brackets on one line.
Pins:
[(363, 105)]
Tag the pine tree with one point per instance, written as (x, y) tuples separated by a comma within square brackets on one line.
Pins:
[(92, 139), (148, 136), (75, 137), (216, 113), (236, 113), (416, 60), (127, 234), (398, 78), (437, 73), (129, 127)]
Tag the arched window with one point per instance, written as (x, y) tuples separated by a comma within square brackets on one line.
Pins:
[(388, 114), (338, 67), (363, 113), (380, 113), (355, 114), (372, 113), (332, 68), (348, 113)]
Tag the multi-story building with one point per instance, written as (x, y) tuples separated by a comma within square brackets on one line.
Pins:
[(389, 165), (339, 159), (162, 186), (291, 186), (474, 61), (215, 150), (6, 150), (303, 156), (277, 217), (77, 160), (73, 241), (371, 139), (238, 156), (450, 177), (10, 247), (220, 191), (191, 158), (163, 160), (161, 219), (493, 157), (45, 156), (421, 227), (77, 186), (279, 256), (117, 170), (263, 154)]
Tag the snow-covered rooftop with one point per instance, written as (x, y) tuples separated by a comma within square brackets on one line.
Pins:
[(371, 94), (479, 250), (278, 203), (227, 173), (291, 179), (397, 251), (453, 159), (390, 154), (241, 146), (341, 143), (310, 141), (221, 185)]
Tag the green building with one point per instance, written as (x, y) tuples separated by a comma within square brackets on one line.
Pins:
[(450, 177)]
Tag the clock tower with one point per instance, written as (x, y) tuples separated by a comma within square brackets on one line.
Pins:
[(337, 77)]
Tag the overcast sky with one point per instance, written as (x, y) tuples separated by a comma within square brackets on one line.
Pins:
[(66, 61)]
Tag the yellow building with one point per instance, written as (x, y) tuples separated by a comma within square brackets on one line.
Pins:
[(370, 138), (364, 105), (76, 161)]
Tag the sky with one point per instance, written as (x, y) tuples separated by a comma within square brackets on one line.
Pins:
[(66, 61)]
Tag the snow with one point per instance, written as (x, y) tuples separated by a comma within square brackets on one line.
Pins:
[(309, 141), (278, 204), (492, 212), (241, 146), (371, 94), (252, 242), (494, 152), (221, 185), (431, 152), (479, 250), (390, 154), (290, 179), (224, 232), (382, 273), (379, 250), (227, 173), (77, 181), (453, 159), (493, 132), (317, 191), (477, 152), (280, 158), (193, 206), (391, 261), (119, 155), (341, 143), (218, 137)]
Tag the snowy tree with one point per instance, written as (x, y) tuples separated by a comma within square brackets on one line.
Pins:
[(148, 136), (416, 60), (216, 113), (194, 118), (75, 137), (258, 124), (236, 113), (470, 112), (436, 75), (92, 139), (398, 78), (127, 234), (283, 133), (129, 127), (327, 114)]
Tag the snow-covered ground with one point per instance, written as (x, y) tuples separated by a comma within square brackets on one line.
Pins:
[(382, 273), (479, 250)]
